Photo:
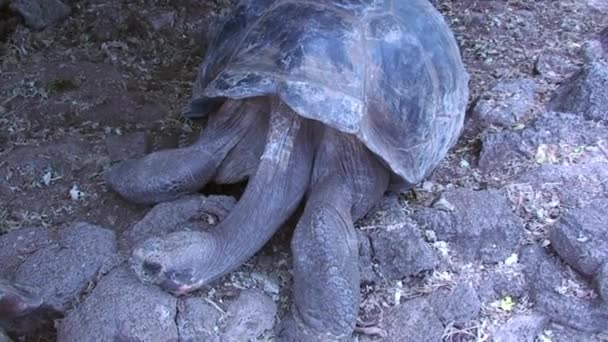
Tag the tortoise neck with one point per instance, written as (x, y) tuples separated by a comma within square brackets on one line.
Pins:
[(273, 193)]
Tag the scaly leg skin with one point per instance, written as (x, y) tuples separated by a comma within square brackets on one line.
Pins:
[(243, 160), (184, 261), (168, 174), (17, 300), (348, 181)]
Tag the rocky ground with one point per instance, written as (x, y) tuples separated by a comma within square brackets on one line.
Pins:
[(507, 240)]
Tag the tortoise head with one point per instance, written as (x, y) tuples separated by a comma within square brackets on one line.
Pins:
[(17, 300)]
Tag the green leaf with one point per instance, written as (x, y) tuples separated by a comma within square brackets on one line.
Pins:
[(506, 304)]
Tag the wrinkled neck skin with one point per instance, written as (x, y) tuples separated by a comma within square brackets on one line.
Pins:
[(272, 195), (228, 125)]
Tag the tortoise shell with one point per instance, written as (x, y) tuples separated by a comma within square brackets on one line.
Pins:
[(387, 71)]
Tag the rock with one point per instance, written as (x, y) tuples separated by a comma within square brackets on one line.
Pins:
[(497, 285), (402, 252), (249, 316), (197, 320), (413, 320), (596, 50), (601, 282), (598, 5), (574, 184), (194, 212), (16, 245), (65, 269), (501, 151), (544, 279), (396, 242), (581, 237), (540, 271), (521, 328), (553, 66), (287, 329), (121, 308), (506, 104), (480, 227), (585, 93), (593, 51), (458, 306), (366, 268), (129, 146), (560, 333), (389, 211), (551, 138), (39, 14)]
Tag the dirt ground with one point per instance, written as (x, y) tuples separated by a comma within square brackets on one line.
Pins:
[(74, 98)]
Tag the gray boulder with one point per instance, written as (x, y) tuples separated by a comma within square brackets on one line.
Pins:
[(581, 237), (521, 328), (497, 285), (553, 66), (457, 306), (402, 252), (596, 49), (17, 245), (544, 279), (249, 316), (505, 150), (564, 333), (197, 320), (574, 184), (507, 103), (601, 282), (39, 14), (413, 320), (366, 264), (66, 268), (396, 241), (480, 225), (585, 93), (121, 308), (246, 318)]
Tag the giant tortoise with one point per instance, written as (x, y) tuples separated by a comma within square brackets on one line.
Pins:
[(329, 103), (17, 300)]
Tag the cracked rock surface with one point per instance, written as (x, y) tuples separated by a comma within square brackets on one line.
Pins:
[(478, 224), (122, 308)]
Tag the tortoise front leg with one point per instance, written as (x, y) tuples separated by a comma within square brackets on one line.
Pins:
[(349, 181), (168, 174), (184, 261)]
